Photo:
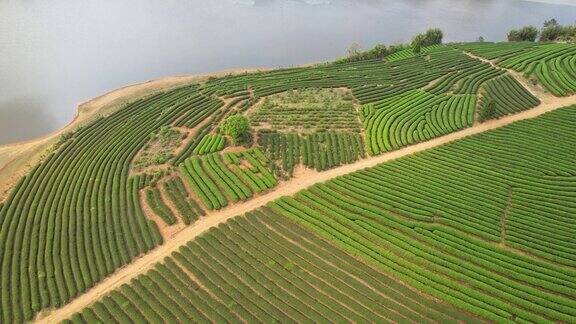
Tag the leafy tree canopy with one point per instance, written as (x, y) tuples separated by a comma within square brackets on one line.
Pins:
[(432, 36), (237, 127), (524, 34)]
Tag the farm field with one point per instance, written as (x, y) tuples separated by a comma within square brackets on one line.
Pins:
[(263, 268), (466, 226), (245, 261), (475, 231), (307, 110)]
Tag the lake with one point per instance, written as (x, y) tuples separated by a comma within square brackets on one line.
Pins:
[(56, 54)]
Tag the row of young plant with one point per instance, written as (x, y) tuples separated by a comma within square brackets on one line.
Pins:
[(187, 207), (310, 109), (156, 203), (210, 144), (319, 150), (262, 267), (503, 96), (75, 218), (216, 182)]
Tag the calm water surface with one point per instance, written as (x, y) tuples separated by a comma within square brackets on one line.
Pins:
[(55, 54)]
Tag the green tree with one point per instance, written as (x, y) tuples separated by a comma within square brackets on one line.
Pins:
[(432, 36), (237, 127), (553, 32), (378, 51), (353, 50), (525, 34), (416, 47), (551, 22)]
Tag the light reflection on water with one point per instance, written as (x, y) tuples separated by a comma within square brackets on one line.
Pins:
[(55, 54)]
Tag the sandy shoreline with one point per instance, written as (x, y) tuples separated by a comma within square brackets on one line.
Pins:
[(17, 158)]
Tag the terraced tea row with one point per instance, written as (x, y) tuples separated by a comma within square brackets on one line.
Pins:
[(261, 263), (413, 117), (320, 151), (489, 227), (369, 80), (76, 217), (210, 144), (187, 207), (264, 268), (154, 200), (216, 181), (553, 65), (503, 96)]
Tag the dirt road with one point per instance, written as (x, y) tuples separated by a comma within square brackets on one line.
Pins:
[(142, 264)]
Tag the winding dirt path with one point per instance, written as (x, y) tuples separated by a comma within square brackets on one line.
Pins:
[(145, 262), (535, 89)]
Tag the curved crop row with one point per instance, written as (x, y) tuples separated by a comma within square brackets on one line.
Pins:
[(216, 181), (394, 122), (187, 208), (202, 184), (77, 216), (553, 65), (503, 96), (154, 200), (210, 144), (445, 236), (264, 268)]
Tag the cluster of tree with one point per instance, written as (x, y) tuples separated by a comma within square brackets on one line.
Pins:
[(524, 34), (552, 31), (378, 51), (430, 37)]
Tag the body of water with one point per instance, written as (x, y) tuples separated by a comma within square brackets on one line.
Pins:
[(56, 54)]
